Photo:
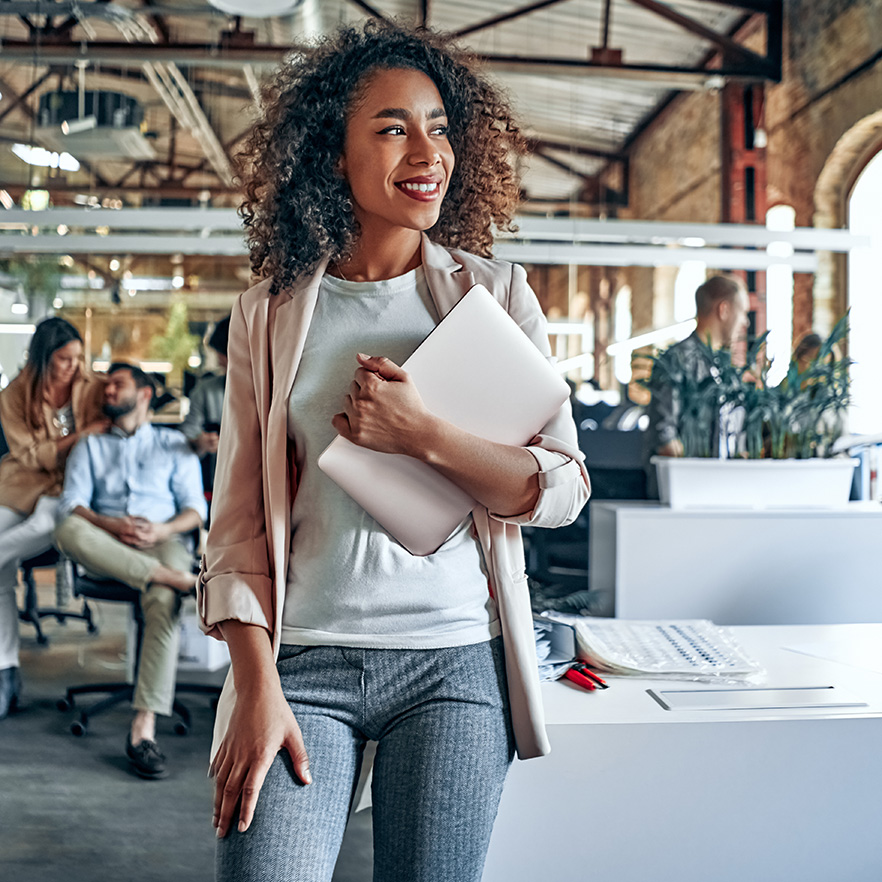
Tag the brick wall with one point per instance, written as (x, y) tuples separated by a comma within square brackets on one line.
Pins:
[(832, 80)]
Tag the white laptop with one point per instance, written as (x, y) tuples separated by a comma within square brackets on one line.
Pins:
[(478, 370)]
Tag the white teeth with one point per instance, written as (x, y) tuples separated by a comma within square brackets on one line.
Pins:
[(421, 188)]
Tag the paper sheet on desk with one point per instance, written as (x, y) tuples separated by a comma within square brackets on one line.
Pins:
[(858, 651)]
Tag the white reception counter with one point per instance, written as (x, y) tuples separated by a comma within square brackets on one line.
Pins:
[(738, 567), (633, 792)]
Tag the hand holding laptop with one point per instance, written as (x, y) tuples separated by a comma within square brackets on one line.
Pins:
[(476, 371), (383, 409)]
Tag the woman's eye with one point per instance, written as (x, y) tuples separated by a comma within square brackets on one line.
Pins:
[(441, 130), (393, 130)]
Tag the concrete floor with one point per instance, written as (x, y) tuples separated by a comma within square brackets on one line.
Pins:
[(71, 809)]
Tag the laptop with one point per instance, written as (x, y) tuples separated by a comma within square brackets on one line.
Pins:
[(478, 370)]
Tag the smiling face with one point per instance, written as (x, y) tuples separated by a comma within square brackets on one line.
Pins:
[(396, 156), (63, 362)]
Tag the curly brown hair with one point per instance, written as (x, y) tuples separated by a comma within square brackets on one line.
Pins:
[(297, 207)]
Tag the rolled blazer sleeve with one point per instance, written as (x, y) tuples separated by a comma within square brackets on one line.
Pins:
[(235, 580), (564, 486)]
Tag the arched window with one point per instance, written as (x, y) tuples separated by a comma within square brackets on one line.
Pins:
[(865, 301), (622, 331), (779, 294), (691, 275)]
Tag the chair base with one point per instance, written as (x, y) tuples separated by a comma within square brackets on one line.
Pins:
[(117, 693), (33, 613)]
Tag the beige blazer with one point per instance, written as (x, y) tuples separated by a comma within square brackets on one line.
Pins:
[(246, 557), (33, 466)]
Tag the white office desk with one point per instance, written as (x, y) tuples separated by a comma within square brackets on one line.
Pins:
[(738, 567), (634, 793)]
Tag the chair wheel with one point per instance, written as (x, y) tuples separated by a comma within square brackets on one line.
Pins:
[(92, 628), (42, 639), (78, 728), (64, 705), (181, 728)]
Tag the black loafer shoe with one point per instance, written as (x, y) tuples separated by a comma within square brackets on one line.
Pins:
[(146, 759)]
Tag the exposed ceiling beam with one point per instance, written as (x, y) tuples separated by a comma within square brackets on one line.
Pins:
[(102, 189), (539, 142), (530, 228), (506, 16), (262, 55), (751, 5), (75, 15), (77, 12), (731, 50), (157, 21), (21, 100), (370, 10), (119, 52), (551, 160), (175, 91)]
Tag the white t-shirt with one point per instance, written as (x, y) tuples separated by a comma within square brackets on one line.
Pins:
[(349, 582)]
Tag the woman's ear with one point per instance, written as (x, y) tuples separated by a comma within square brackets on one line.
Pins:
[(340, 166)]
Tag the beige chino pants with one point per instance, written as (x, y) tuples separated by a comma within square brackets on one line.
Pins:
[(105, 556)]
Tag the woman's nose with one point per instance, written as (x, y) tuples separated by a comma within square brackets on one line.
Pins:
[(424, 152)]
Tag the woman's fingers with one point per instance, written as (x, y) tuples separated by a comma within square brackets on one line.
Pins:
[(299, 757), (381, 365), (228, 785), (249, 792)]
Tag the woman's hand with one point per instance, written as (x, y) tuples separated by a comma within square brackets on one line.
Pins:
[(261, 724), (96, 427), (383, 410)]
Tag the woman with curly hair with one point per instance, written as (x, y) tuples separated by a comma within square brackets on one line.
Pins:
[(380, 166)]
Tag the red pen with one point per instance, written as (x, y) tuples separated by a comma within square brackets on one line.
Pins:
[(579, 679), (591, 675)]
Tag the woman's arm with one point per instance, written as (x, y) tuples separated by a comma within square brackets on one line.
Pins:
[(384, 411), (260, 726), (543, 483), (235, 582)]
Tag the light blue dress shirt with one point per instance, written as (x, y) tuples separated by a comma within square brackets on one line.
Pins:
[(151, 474)]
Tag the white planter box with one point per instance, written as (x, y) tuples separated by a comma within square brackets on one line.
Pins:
[(754, 483), (196, 651)]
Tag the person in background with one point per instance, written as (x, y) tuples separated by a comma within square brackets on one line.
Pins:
[(44, 411), (807, 350), (722, 307), (202, 423), (131, 496)]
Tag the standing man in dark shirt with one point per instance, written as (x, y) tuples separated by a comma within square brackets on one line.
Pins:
[(202, 423), (722, 306)]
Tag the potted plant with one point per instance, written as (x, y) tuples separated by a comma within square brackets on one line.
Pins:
[(787, 432)]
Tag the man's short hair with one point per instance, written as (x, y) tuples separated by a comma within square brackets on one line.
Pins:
[(142, 378), (220, 336), (714, 291)]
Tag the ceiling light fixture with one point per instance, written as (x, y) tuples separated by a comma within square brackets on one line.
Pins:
[(256, 8), (44, 158)]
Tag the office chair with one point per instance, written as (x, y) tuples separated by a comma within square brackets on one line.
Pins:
[(119, 692), (32, 612)]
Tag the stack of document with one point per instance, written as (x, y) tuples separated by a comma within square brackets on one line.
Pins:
[(693, 649)]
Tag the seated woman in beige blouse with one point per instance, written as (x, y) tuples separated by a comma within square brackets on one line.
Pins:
[(43, 412)]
